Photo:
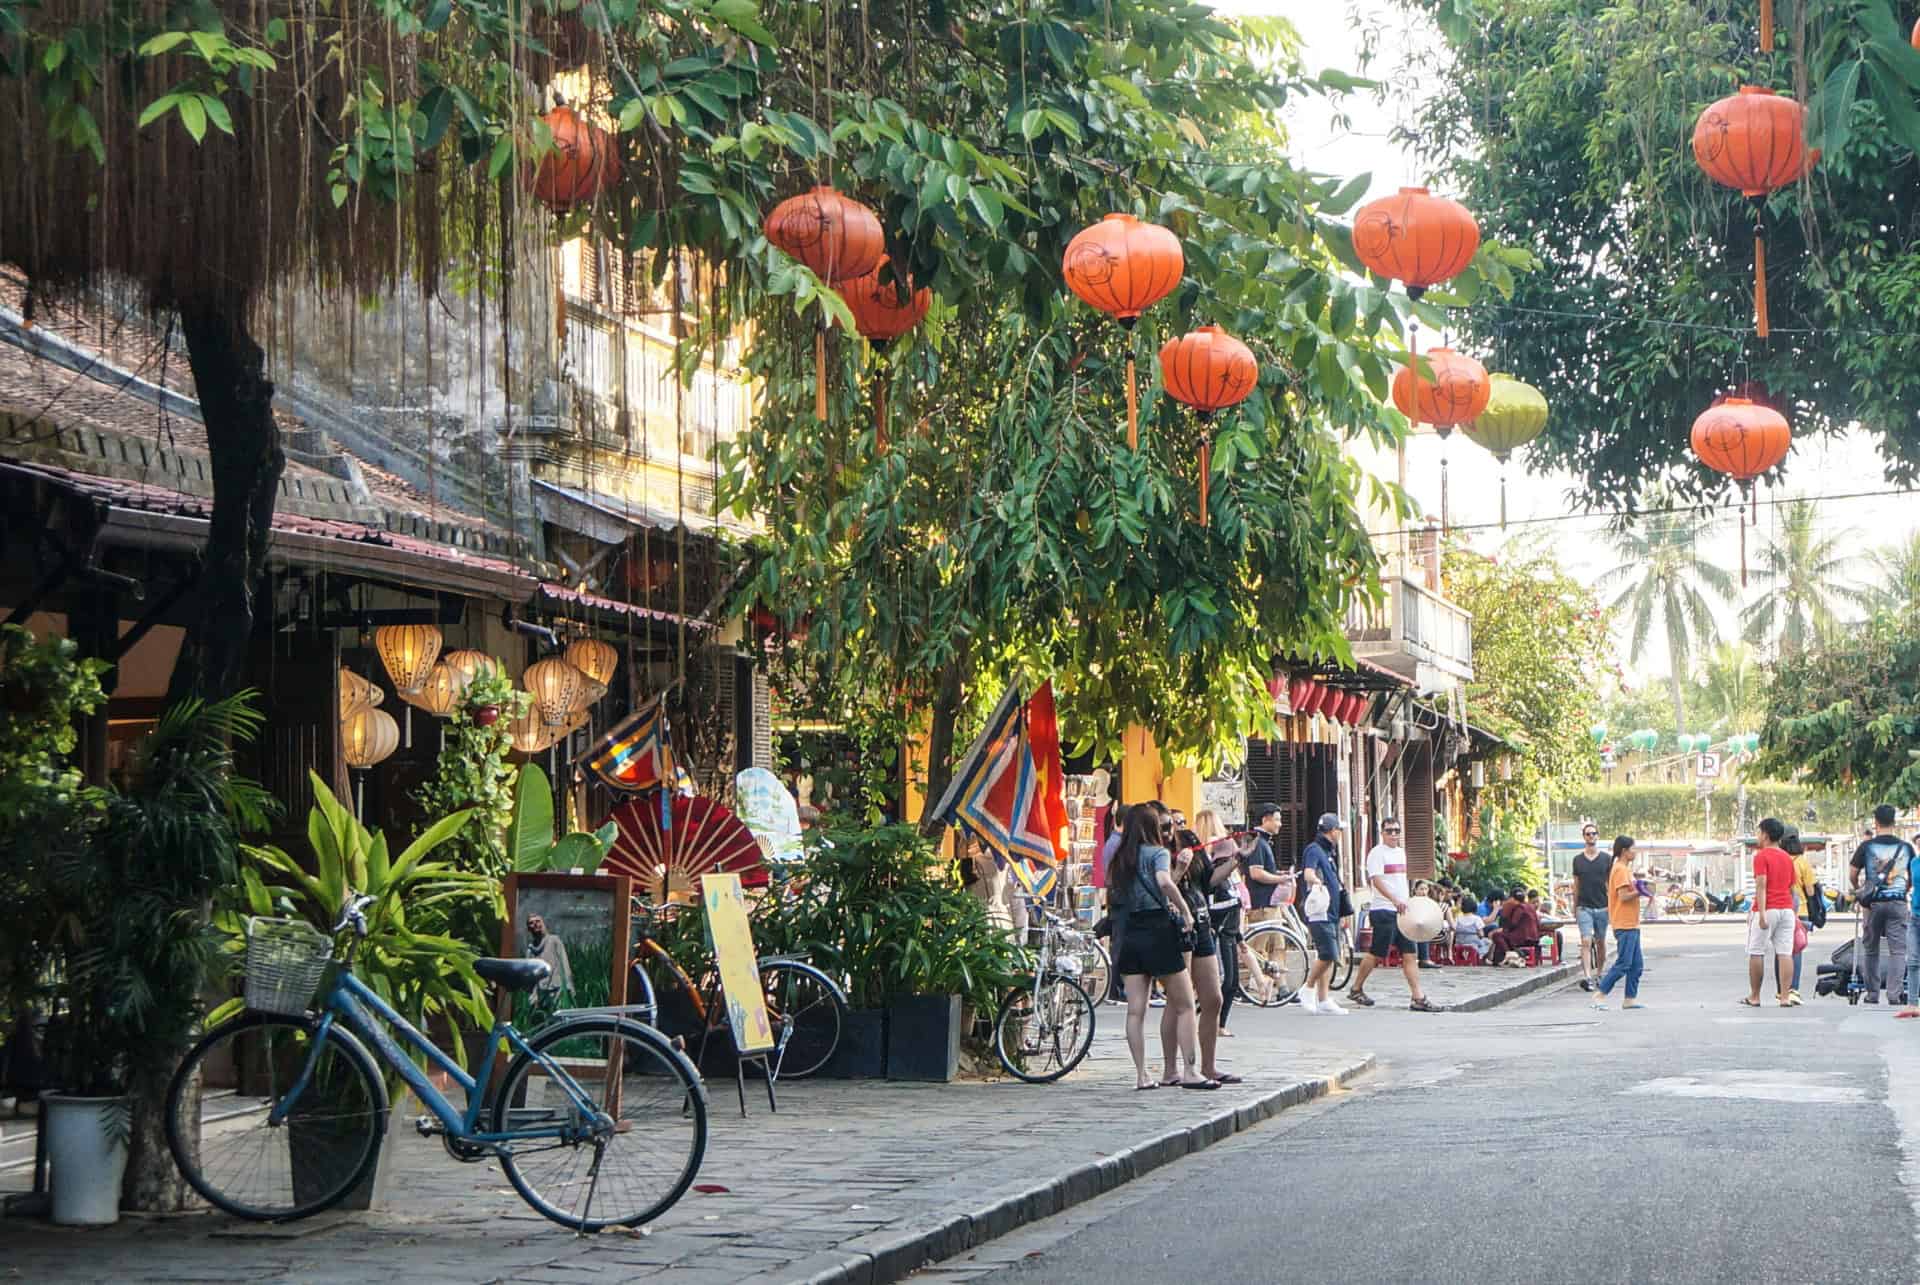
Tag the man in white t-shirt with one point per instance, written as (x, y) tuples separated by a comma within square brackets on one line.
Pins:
[(1386, 873)]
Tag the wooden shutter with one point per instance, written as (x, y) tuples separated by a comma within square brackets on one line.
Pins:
[(298, 678), (1419, 809)]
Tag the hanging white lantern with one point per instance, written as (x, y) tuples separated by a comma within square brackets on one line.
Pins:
[(596, 659), (369, 737), (557, 689), (356, 694), (443, 691), (408, 652), (474, 663), (528, 733)]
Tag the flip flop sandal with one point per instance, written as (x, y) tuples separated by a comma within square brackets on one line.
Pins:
[(1748, 1003), (1143, 1088), (1228, 1079), (1201, 1086)]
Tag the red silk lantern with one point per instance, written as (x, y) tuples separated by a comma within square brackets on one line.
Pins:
[(1123, 267), (1754, 141), (882, 316), (1297, 693), (1208, 370), (837, 237), (582, 164), (1456, 394), (1742, 439), (1416, 238), (1914, 39), (1310, 702)]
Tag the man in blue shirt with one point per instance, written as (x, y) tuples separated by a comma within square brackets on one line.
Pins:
[(1320, 870)]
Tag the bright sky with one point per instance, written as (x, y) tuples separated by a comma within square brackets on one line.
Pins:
[(1322, 142)]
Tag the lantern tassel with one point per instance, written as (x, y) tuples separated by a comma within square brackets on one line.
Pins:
[(1444, 527), (880, 414), (1133, 406), (820, 374), (1206, 470), (1503, 497), (406, 720), (1743, 550), (1759, 283), (1766, 26)]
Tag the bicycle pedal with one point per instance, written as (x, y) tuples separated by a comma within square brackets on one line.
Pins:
[(429, 1126)]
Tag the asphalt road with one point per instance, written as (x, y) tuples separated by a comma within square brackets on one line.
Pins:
[(1693, 1141)]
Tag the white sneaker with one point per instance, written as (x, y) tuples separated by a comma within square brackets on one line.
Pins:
[(1332, 1009), (1308, 1004), (1599, 1005)]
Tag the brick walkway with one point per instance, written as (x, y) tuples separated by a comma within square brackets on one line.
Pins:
[(851, 1181)]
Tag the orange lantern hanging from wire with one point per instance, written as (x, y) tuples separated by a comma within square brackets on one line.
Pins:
[(1455, 394), (584, 162), (884, 308), (1208, 370), (839, 239), (1742, 439), (1754, 141), (1416, 238), (1123, 267)]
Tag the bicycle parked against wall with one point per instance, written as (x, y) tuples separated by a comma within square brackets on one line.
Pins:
[(806, 1007), (597, 1120), (1045, 1028), (1274, 960)]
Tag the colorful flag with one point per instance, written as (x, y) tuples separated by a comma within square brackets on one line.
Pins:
[(996, 791), (1038, 880), (1043, 733), (634, 754)]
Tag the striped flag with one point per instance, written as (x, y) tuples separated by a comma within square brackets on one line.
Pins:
[(997, 791), (634, 754)]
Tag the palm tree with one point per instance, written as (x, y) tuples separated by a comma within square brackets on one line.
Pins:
[(1804, 577), (1733, 687), (1896, 586), (1662, 579)]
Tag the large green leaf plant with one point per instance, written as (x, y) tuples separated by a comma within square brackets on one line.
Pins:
[(407, 957)]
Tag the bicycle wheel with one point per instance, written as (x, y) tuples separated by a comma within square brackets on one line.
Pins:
[(1096, 972), (244, 1164), (1692, 908), (808, 1015), (1041, 1037), (1343, 963), (638, 1154), (1280, 959)]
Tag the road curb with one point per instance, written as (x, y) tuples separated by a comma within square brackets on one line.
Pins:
[(1537, 979), (882, 1257)]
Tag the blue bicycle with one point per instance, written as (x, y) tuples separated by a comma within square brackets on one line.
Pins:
[(279, 1114)]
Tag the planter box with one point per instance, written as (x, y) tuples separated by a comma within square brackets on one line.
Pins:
[(923, 1037), (862, 1052)]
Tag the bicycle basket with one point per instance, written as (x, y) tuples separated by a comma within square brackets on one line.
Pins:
[(286, 959)]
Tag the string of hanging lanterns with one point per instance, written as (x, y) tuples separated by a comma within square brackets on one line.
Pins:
[(840, 240), (1208, 370), (1123, 267)]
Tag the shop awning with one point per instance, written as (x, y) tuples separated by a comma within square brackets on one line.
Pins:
[(563, 601), (612, 518)]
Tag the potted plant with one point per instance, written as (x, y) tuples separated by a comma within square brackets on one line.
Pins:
[(531, 845), (915, 947), (407, 957), (133, 953)]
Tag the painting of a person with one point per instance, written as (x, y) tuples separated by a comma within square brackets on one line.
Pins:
[(542, 944)]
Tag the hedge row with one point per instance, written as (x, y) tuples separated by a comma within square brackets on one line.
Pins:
[(1668, 811)]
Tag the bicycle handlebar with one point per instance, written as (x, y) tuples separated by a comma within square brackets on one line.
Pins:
[(353, 912)]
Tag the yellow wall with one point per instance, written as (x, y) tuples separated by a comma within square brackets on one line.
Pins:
[(1144, 776)]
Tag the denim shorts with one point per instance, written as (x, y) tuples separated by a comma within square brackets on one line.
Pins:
[(1593, 922), (1326, 939)]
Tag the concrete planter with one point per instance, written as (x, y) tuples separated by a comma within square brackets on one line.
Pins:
[(87, 1153), (862, 1053)]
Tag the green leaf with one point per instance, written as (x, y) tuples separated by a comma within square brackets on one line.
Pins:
[(216, 112), (530, 830), (55, 55), (743, 16), (165, 42), (156, 109), (193, 116), (502, 156)]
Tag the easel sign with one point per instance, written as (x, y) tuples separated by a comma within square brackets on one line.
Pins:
[(732, 942)]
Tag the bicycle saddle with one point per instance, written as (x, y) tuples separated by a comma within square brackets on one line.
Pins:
[(513, 974)]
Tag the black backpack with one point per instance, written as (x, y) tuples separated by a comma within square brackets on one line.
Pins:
[(1817, 906)]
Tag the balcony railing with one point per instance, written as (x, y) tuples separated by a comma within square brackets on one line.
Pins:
[(1414, 626)]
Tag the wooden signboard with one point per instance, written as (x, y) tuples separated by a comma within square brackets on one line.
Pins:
[(733, 953)]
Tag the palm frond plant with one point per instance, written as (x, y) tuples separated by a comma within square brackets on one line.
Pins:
[(1806, 578), (1661, 580), (407, 958)]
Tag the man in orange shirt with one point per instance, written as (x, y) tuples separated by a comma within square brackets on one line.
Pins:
[(1770, 923)]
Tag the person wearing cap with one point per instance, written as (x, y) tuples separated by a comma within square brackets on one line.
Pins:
[(1320, 869), (1590, 871), (1387, 875)]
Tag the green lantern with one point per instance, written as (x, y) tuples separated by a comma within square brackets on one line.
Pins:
[(1598, 732), (1516, 413)]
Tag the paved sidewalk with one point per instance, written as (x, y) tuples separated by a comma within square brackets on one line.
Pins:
[(849, 1182), (1468, 988)]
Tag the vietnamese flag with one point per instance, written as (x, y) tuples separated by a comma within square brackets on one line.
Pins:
[(1043, 736)]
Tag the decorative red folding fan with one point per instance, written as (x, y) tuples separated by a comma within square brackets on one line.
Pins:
[(669, 862)]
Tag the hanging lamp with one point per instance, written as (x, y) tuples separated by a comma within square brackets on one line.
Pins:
[(1123, 267), (1456, 394), (584, 162), (1754, 141), (441, 694), (557, 690), (408, 652), (473, 663), (1416, 238), (369, 737), (1742, 439), (839, 239), (356, 694), (1516, 413), (1208, 370), (884, 308), (594, 658)]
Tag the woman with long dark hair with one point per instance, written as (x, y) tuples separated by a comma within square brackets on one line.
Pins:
[(1150, 920), (1193, 872), (1624, 894)]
